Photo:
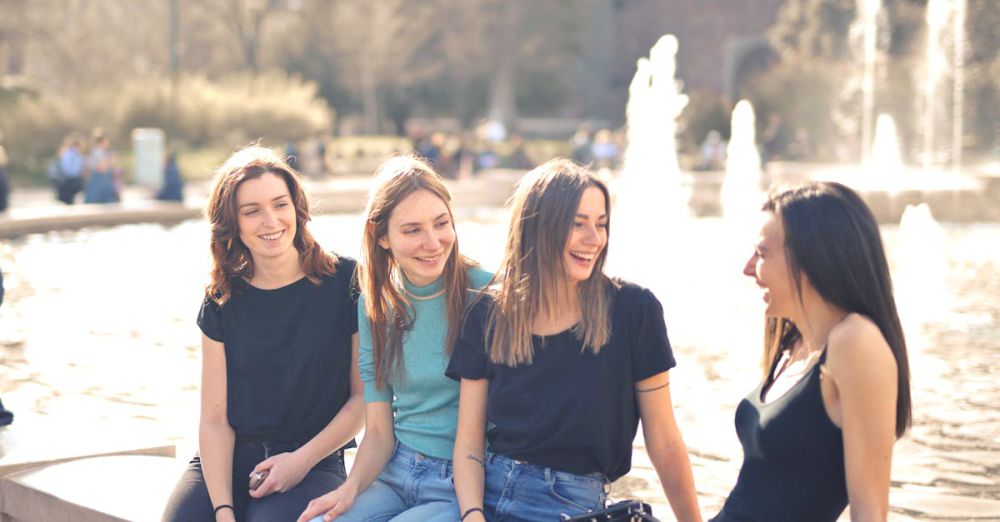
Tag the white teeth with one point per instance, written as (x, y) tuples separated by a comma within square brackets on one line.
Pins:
[(271, 237), (586, 257)]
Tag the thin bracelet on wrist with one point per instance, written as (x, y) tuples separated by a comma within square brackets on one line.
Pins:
[(471, 511), (224, 506)]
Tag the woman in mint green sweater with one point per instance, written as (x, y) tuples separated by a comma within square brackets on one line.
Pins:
[(410, 262)]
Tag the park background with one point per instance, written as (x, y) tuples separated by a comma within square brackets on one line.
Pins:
[(97, 336)]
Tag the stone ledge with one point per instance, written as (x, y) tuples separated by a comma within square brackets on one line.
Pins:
[(100, 489)]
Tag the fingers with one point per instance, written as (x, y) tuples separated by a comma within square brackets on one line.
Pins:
[(265, 464), (270, 485), (318, 506)]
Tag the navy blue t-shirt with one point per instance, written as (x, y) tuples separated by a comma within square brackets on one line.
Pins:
[(570, 410), (288, 354)]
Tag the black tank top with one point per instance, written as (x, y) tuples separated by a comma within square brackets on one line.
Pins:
[(793, 457)]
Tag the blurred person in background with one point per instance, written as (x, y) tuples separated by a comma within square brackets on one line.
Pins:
[(173, 184), (101, 184), (68, 176), (6, 416), (4, 178)]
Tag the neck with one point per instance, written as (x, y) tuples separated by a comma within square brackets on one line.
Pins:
[(277, 271), (564, 312), (815, 320)]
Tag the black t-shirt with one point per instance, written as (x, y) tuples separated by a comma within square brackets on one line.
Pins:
[(288, 354), (570, 410)]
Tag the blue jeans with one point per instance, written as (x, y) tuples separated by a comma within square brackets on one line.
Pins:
[(411, 488), (521, 491)]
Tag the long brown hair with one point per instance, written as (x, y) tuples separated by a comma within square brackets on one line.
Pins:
[(543, 209), (380, 278), (832, 237), (231, 260)]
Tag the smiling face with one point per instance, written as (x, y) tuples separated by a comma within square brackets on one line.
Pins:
[(768, 266), (420, 236), (588, 236), (266, 217)]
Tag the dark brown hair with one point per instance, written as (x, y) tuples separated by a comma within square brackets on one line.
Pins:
[(543, 209), (231, 260), (832, 237)]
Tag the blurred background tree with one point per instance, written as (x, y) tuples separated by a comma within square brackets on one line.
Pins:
[(214, 72)]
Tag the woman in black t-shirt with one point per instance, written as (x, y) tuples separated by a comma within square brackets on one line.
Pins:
[(563, 362), (281, 396)]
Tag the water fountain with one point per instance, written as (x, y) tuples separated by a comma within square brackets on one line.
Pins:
[(651, 177), (945, 32), (869, 12), (741, 194)]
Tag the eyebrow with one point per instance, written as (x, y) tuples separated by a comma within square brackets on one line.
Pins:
[(585, 216), (254, 203), (414, 223)]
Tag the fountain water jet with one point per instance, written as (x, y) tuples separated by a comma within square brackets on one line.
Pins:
[(741, 188), (651, 191)]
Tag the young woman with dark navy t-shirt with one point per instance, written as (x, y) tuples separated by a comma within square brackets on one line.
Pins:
[(280, 390), (562, 362), (818, 432)]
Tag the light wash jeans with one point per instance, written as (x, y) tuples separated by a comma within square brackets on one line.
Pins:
[(411, 488), (520, 491)]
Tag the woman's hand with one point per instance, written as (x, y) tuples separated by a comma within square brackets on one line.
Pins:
[(331, 505), (286, 470)]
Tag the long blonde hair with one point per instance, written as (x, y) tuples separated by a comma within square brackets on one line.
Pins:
[(231, 259), (386, 309), (543, 209)]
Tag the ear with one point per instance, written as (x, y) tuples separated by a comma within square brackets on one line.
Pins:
[(383, 242)]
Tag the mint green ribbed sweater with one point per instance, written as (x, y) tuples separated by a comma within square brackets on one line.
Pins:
[(424, 401)]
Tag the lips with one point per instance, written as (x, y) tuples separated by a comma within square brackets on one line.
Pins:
[(583, 257), (272, 236), (428, 260)]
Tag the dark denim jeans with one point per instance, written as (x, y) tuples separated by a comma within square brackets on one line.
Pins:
[(521, 491), (190, 502)]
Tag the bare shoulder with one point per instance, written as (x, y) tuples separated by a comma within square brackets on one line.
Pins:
[(856, 347)]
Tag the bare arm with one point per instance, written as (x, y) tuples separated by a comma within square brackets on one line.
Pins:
[(288, 469), (215, 436), (470, 447), (863, 372), (373, 454), (666, 446)]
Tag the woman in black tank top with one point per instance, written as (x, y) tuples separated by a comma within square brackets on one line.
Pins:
[(818, 432)]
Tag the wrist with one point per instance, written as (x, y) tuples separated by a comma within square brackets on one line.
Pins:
[(350, 486), (473, 513), (305, 457)]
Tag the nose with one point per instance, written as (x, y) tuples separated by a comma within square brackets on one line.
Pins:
[(593, 235), (432, 239), (269, 217), (750, 268)]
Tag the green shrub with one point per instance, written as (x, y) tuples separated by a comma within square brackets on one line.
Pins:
[(225, 114)]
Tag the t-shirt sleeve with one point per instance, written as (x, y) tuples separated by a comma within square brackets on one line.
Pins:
[(469, 360), (366, 361), (210, 320), (651, 352)]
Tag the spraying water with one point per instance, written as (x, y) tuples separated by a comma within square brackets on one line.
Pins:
[(651, 192), (741, 188)]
